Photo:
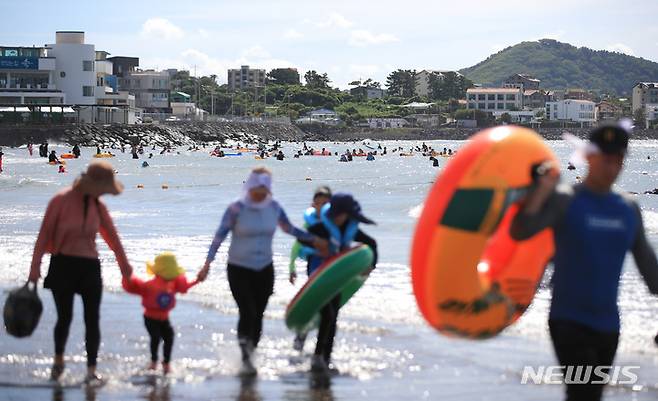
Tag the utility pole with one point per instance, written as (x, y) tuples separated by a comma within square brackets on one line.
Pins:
[(196, 79)]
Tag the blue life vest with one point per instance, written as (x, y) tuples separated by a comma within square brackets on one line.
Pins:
[(310, 219), (338, 241), (590, 247)]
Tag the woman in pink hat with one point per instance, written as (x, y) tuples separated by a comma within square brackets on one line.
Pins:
[(73, 218)]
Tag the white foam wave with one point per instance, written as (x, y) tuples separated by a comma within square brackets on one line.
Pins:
[(415, 211)]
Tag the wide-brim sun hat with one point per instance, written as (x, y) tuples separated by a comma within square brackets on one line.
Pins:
[(166, 266), (99, 178)]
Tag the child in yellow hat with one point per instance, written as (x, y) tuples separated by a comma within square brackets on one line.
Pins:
[(159, 298)]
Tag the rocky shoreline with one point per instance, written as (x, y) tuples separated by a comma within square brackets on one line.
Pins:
[(171, 134), (190, 133), (453, 134)]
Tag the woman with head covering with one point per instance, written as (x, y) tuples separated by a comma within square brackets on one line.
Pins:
[(73, 218), (253, 221)]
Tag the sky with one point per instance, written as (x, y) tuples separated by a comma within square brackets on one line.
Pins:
[(349, 40)]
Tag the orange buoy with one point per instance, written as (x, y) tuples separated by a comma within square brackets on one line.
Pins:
[(470, 278)]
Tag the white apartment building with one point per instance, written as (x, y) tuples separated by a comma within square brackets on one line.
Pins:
[(582, 111), (245, 77), (494, 99), (27, 76), (644, 93)]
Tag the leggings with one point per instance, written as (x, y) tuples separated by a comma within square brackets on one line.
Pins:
[(160, 330), (66, 277), (579, 345), (251, 290), (327, 329)]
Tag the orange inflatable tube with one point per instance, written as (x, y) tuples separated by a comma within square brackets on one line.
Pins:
[(470, 278)]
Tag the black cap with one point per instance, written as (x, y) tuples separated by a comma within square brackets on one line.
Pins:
[(322, 191), (345, 203), (610, 138)]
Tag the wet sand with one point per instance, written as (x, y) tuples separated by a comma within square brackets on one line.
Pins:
[(206, 362)]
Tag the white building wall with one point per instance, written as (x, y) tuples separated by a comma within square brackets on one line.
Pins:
[(70, 52), (651, 113), (582, 111)]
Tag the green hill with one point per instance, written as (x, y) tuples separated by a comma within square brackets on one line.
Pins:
[(561, 65)]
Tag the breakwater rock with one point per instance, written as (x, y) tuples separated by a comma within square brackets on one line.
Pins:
[(170, 134)]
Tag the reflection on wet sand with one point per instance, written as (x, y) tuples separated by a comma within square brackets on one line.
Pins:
[(159, 393), (248, 390), (319, 389)]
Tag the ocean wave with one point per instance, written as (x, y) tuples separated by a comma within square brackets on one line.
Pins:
[(650, 221), (415, 211)]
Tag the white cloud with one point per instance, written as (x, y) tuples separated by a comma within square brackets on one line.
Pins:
[(335, 20), (558, 35), (161, 28), (497, 47), (364, 70), (203, 33), (293, 34), (207, 65), (255, 52), (362, 38), (620, 48)]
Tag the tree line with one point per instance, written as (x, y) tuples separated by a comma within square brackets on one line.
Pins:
[(284, 94)]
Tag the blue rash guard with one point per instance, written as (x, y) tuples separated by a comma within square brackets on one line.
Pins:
[(592, 234)]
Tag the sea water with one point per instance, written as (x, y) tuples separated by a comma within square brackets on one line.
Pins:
[(176, 203)]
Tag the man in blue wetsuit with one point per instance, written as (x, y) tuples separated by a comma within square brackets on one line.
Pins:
[(594, 227)]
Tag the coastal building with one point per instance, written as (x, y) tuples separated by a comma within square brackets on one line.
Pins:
[(27, 76), (150, 88), (580, 111), (522, 81), (320, 116), (69, 72), (183, 108), (534, 98), (518, 116), (651, 114), (423, 80), (75, 72), (578, 94), (644, 93), (385, 122), (122, 66), (367, 93), (608, 111), (245, 77), (494, 99), (554, 95), (425, 120)]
